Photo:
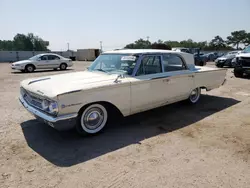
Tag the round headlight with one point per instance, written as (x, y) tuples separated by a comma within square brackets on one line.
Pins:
[(53, 107), (45, 104)]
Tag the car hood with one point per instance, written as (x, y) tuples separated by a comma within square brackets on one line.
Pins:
[(52, 86), (21, 62)]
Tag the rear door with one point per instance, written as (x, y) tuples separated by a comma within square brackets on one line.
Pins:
[(180, 80), (54, 61)]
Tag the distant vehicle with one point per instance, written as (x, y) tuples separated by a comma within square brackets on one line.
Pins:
[(226, 60), (42, 61), (212, 56), (180, 49), (242, 63), (199, 59)]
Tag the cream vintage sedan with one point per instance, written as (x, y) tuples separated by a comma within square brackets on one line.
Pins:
[(126, 81)]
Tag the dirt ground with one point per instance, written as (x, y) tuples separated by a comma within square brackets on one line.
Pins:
[(206, 145)]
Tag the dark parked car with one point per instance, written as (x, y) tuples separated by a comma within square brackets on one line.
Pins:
[(212, 56), (226, 60), (200, 59)]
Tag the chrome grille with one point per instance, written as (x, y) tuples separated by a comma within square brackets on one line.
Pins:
[(32, 99)]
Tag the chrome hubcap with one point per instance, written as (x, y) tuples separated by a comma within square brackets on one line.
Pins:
[(63, 66), (194, 95), (93, 118)]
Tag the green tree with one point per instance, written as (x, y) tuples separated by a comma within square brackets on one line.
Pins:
[(23, 42), (247, 40), (237, 38), (160, 46), (173, 44), (217, 43), (6, 45), (139, 44)]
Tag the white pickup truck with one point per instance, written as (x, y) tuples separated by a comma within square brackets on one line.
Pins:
[(127, 81), (242, 63)]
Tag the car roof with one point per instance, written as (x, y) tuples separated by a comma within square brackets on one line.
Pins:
[(189, 58), (48, 54), (140, 51)]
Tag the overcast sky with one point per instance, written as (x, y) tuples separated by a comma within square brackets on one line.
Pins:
[(84, 23)]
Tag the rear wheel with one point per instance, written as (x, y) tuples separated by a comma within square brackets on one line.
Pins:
[(194, 96), (29, 68), (92, 119), (63, 66)]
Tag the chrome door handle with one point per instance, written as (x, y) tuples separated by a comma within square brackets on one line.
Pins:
[(166, 80), (191, 76)]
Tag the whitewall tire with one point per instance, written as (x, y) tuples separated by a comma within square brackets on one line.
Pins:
[(92, 119), (194, 95)]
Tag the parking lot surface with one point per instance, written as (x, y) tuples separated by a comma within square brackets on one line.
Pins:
[(205, 145)]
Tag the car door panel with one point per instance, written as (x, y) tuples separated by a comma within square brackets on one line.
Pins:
[(146, 89), (153, 90), (43, 62)]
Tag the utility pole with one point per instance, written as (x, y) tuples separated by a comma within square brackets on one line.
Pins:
[(68, 46), (101, 46)]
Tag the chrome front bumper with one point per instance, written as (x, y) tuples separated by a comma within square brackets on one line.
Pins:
[(63, 122)]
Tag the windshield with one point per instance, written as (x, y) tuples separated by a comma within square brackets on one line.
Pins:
[(115, 63), (35, 57), (246, 50)]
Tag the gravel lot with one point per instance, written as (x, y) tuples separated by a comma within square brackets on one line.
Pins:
[(206, 145)]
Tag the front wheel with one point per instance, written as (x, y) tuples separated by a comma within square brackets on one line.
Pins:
[(194, 96), (29, 68), (92, 119)]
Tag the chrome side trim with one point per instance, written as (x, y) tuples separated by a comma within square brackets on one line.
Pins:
[(74, 91), (44, 116), (33, 81)]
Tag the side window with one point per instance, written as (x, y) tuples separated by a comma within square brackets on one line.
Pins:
[(53, 57), (172, 62), (44, 57), (150, 65)]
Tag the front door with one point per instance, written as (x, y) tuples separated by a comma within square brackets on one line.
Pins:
[(147, 85)]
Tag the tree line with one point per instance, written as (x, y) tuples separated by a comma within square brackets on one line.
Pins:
[(22, 42), (236, 40)]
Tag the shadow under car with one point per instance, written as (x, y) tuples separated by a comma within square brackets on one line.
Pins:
[(67, 148)]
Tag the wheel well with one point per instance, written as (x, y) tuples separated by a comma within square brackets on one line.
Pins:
[(203, 87), (30, 65), (111, 108)]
